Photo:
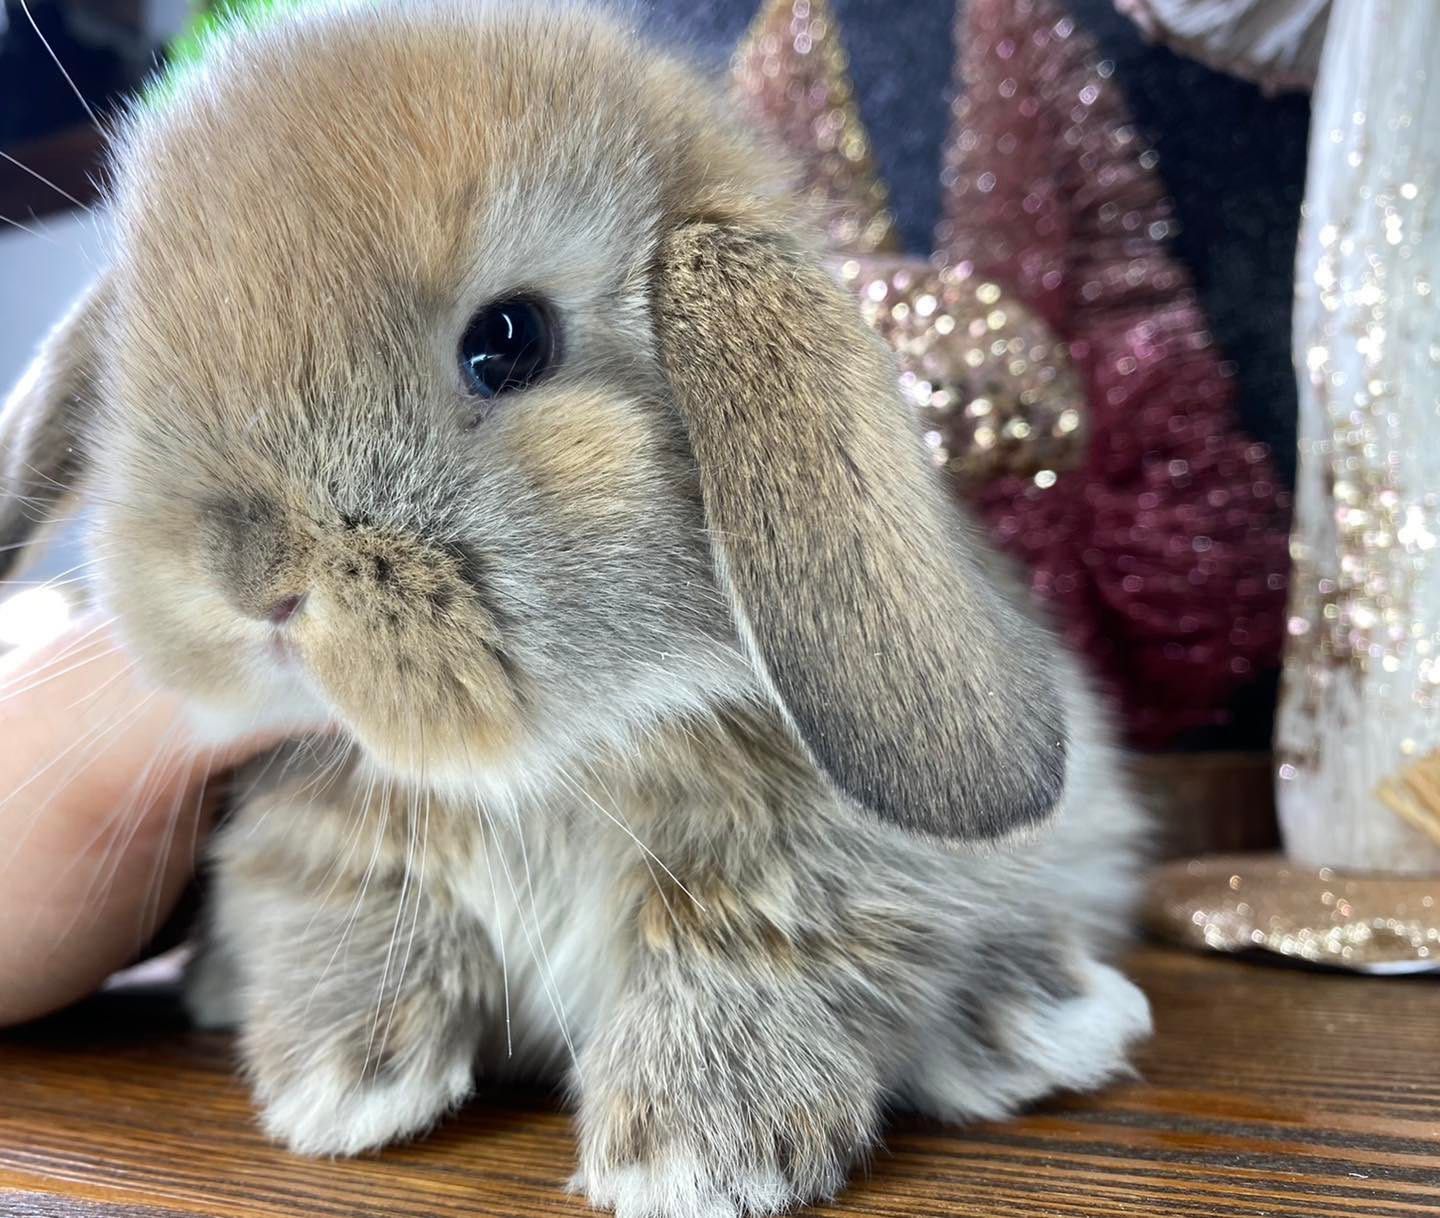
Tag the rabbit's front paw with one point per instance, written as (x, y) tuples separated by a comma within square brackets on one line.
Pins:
[(674, 1183), (335, 1084), (754, 1119), (334, 1108), (364, 995)]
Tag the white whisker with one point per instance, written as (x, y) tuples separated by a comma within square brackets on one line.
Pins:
[(40, 177), (7, 694), (390, 946), (25, 228), (546, 978), (45, 42), (349, 924), (540, 935), (614, 819), (93, 735), (485, 827)]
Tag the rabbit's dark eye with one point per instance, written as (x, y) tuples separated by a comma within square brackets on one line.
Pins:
[(507, 345)]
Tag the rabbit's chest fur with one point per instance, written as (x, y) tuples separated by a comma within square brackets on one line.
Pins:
[(546, 902), (698, 839)]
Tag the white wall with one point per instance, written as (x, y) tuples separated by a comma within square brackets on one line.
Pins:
[(40, 275)]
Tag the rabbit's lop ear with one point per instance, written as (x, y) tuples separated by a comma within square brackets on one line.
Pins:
[(41, 422), (922, 692)]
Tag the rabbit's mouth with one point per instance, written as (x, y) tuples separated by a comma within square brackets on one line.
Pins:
[(403, 715), (411, 661), (281, 649), (396, 631)]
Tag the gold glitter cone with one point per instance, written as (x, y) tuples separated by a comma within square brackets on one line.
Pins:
[(791, 71)]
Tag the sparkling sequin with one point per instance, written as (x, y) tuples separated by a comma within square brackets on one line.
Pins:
[(791, 72), (959, 339), (1366, 922)]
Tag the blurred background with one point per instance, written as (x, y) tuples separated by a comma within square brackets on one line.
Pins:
[(1139, 208)]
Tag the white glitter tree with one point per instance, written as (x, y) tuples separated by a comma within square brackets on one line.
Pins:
[(1358, 738)]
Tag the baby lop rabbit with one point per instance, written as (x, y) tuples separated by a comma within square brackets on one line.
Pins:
[(465, 377)]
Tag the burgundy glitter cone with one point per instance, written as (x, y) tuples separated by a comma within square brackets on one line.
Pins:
[(1165, 554)]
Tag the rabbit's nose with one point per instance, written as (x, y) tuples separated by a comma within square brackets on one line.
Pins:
[(256, 558), (286, 608)]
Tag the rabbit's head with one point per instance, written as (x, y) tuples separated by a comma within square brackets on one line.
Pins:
[(462, 375)]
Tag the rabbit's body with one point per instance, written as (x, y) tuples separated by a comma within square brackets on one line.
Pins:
[(854, 968), (681, 721)]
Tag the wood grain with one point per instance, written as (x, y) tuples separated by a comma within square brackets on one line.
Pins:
[(1267, 1091)]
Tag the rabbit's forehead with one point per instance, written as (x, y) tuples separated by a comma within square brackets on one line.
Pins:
[(379, 175)]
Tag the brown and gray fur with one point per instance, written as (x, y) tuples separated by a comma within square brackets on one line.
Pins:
[(691, 747)]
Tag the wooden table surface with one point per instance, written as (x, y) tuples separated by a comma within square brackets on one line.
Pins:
[(1267, 1091)]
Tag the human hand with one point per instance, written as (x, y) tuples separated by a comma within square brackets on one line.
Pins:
[(103, 808)]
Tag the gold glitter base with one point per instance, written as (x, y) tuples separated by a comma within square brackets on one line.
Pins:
[(1368, 922)]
